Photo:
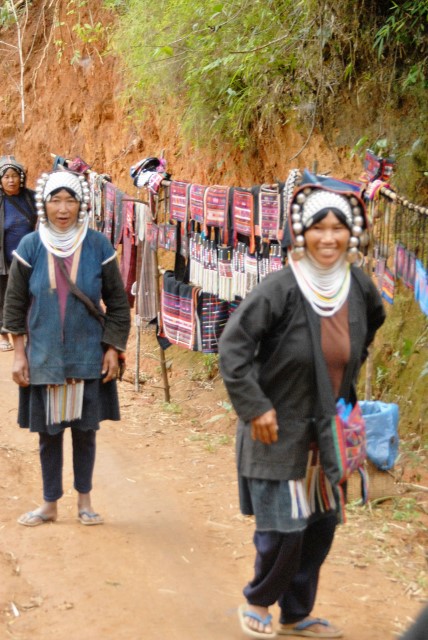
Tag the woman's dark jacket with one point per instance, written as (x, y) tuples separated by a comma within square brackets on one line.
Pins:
[(267, 360), (28, 195)]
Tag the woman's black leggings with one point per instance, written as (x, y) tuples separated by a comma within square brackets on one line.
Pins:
[(52, 458)]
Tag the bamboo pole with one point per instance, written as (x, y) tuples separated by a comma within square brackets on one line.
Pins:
[(162, 352), (368, 391), (158, 302)]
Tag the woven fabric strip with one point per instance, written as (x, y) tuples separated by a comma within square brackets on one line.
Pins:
[(210, 267), (269, 213), (128, 261), (400, 261), (225, 273), (109, 203), (216, 209), (196, 253), (388, 286), (411, 270), (243, 216), (196, 202), (118, 218), (178, 201), (421, 287)]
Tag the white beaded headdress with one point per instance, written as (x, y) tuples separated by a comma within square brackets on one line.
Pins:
[(49, 182), (310, 201), (10, 162)]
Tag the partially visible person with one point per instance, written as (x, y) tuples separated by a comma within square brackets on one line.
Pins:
[(18, 217), (418, 630), (67, 368), (289, 352)]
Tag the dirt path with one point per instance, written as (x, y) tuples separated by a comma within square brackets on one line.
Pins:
[(172, 558)]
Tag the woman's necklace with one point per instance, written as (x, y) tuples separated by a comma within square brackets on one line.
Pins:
[(63, 243), (325, 288)]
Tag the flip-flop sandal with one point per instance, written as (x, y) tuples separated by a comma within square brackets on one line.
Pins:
[(303, 629), (243, 613), (6, 346), (89, 519), (32, 519)]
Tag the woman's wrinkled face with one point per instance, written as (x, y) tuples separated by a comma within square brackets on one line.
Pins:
[(62, 210), (327, 240), (11, 182)]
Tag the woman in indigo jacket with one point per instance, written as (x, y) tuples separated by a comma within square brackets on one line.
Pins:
[(17, 218), (66, 346), (293, 347)]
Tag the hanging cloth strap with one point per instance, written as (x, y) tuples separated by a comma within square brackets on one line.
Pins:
[(91, 307)]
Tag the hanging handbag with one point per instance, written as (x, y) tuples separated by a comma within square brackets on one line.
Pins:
[(349, 436)]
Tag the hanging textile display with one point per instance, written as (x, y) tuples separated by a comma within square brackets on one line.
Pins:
[(227, 239)]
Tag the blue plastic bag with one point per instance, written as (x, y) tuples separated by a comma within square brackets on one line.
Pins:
[(381, 420)]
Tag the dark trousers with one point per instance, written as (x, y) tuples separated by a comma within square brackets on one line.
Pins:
[(287, 568), (52, 458), (3, 286)]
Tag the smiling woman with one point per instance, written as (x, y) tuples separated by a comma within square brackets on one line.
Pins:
[(327, 239), (290, 351)]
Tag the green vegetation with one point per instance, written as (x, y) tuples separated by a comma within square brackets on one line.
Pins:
[(242, 67), (401, 365)]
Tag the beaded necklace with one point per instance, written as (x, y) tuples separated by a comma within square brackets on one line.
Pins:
[(325, 288), (63, 243)]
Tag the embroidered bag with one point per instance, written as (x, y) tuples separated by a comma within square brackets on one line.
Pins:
[(178, 311), (216, 211), (350, 442), (213, 314), (243, 217), (196, 202), (178, 201), (349, 436)]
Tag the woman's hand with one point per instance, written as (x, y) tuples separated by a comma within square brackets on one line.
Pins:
[(20, 368), (110, 364), (265, 427)]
